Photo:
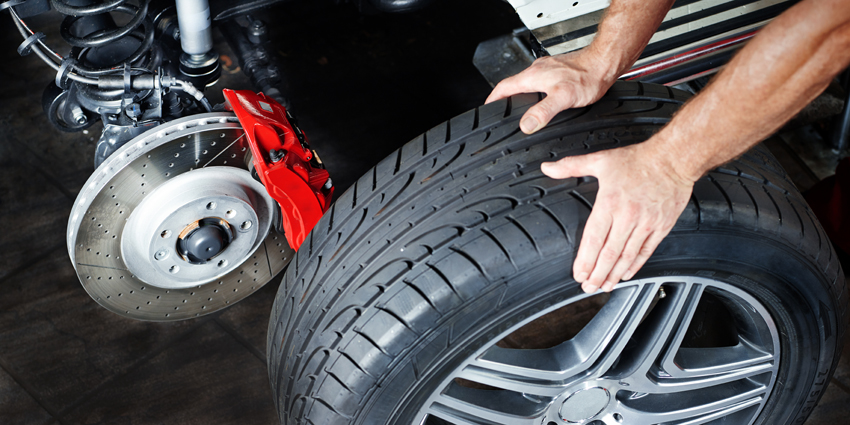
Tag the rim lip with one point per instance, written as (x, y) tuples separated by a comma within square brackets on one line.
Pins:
[(421, 417)]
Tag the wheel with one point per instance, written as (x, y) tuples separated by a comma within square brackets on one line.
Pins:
[(438, 289)]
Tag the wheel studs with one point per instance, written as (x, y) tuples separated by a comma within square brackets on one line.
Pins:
[(161, 254)]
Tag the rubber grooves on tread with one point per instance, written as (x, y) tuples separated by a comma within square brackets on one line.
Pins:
[(453, 212)]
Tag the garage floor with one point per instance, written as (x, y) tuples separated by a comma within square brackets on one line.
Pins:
[(362, 86)]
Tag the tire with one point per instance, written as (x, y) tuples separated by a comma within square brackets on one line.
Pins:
[(438, 289)]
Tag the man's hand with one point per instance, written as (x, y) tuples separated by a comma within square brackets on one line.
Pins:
[(577, 79), (571, 80), (640, 198), (644, 188), (635, 207)]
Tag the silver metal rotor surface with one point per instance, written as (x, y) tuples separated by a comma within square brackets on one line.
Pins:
[(634, 362), (126, 222)]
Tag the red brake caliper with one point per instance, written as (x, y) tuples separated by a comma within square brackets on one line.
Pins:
[(281, 157)]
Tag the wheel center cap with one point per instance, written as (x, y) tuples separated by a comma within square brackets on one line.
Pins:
[(583, 405), (204, 240)]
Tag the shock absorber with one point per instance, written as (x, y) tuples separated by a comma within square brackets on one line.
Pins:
[(199, 62)]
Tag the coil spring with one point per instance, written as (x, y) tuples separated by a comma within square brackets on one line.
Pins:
[(139, 26)]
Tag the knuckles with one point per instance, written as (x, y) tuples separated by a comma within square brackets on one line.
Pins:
[(610, 255), (628, 256)]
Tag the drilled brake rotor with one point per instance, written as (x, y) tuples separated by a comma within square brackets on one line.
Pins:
[(172, 225)]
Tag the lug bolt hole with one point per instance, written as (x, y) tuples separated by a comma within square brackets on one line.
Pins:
[(222, 263), (211, 206), (230, 214), (246, 225), (618, 417), (174, 269)]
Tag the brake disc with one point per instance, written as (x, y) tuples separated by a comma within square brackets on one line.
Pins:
[(173, 226)]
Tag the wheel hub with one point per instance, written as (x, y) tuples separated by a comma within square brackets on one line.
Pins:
[(172, 225), (204, 239), (182, 206), (584, 405)]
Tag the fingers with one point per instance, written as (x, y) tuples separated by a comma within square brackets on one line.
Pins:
[(540, 114), (571, 166), (620, 233), (592, 240), (633, 212), (627, 258), (645, 252), (508, 87)]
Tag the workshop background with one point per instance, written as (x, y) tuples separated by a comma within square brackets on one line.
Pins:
[(362, 85)]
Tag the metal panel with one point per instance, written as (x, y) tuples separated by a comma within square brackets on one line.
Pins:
[(578, 29), (540, 13)]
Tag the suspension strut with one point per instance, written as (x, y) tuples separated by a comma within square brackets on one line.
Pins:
[(123, 74)]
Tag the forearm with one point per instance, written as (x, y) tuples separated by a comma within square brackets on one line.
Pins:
[(777, 74), (624, 32)]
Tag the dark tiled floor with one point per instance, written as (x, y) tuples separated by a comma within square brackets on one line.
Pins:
[(362, 85), (18, 404)]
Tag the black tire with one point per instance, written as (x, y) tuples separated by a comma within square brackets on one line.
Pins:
[(457, 237)]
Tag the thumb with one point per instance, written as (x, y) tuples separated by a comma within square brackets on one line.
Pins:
[(571, 166), (540, 114)]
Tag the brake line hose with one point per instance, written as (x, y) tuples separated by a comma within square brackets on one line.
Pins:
[(23, 29)]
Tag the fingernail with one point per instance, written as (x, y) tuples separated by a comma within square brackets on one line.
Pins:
[(588, 288), (608, 286), (581, 277), (628, 275), (528, 125)]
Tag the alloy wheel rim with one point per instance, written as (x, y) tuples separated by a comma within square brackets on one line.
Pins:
[(636, 361)]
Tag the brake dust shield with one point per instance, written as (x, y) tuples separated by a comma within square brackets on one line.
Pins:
[(173, 226)]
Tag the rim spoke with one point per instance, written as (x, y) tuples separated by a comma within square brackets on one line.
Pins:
[(699, 407), (493, 375), (693, 362), (650, 341), (484, 407), (657, 384), (661, 364), (606, 334), (622, 328), (683, 362)]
